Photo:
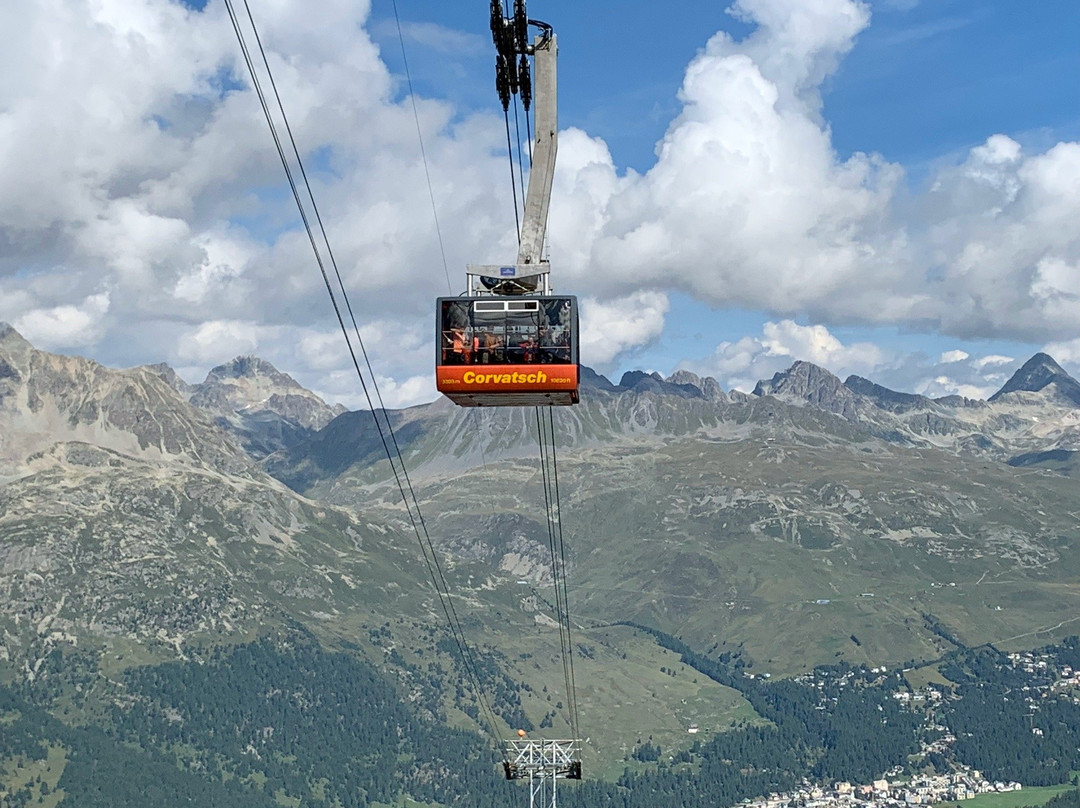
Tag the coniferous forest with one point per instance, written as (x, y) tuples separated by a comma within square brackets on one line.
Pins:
[(286, 721)]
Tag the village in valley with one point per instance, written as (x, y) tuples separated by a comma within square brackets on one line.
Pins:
[(924, 790), (1046, 676)]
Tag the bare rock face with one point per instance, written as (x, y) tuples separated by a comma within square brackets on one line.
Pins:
[(1034, 412), (171, 378), (47, 399), (249, 385), (885, 398), (126, 514), (709, 387), (265, 409), (803, 401), (806, 382), (1041, 374)]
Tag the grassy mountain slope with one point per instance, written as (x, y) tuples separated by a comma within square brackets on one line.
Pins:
[(734, 518)]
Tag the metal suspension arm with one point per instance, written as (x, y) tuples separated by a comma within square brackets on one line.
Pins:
[(538, 197), (529, 273)]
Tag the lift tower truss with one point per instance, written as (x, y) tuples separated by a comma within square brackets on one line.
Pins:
[(543, 764)]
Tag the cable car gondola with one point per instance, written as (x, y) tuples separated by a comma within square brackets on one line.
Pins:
[(508, 351), (509, 341)]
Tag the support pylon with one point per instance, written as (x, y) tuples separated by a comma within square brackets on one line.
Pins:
[(543, 764)]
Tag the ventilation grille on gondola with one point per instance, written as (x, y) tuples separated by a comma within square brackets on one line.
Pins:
[(506, 305)]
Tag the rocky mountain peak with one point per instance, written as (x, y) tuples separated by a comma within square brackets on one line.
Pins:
[(805, 382), (632, 378), (265, 408), (800, 380), (12, 345), (10, 351), (589, 378), (641, 382), (1039, 373), (171, 378), (8, 333), (252, 367), (708, 386), (251, 383), (885, 398), (47, 400)]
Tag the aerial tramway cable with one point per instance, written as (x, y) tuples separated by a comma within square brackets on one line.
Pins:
[(423, 152), (515, 76), (401, 478), (575, 720), (549, 466), (513, 179), (513, 82), (434, 208), (520, 162)]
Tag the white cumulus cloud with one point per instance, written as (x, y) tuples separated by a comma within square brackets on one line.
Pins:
[(609, 328), (993, 359), (65, 326), (748, 204), (216, 341), (939, 386), (1066, 352), (949, 357), (740, 365)]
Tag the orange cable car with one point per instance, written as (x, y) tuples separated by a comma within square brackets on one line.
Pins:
[(519, 351)]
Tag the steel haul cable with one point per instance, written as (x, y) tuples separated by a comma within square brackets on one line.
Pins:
[(434, 210), (553, 512), (517, 137), (423, 151), (394, 456), (575, 721), (415, 517), (544, 419), (513, 180)]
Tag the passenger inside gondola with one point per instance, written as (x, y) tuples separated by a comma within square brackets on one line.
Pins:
[(489, 351), (528, 350), (506, 332), (460, 355)]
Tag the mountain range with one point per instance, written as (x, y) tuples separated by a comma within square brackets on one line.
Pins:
[(811, 521)]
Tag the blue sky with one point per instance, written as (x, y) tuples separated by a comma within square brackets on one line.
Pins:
[(925, 83), (925, 80), (886, 188)]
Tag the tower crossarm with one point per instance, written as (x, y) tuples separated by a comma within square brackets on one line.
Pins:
[(556, 759)]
